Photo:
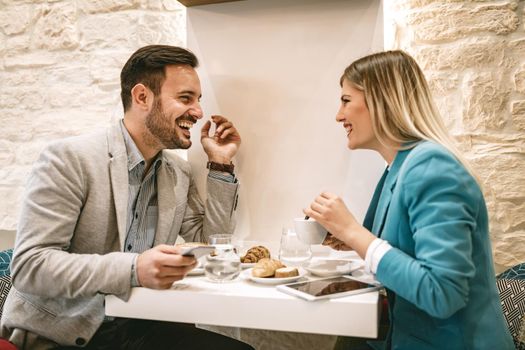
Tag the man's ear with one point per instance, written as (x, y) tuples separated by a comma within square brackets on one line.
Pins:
[(142, 97)]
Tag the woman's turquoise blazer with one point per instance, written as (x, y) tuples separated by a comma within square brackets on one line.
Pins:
[(439, 274)]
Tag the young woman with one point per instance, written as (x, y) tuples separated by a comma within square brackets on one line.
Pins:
[(425, 235)]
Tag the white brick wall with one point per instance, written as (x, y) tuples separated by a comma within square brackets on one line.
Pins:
[(60, 62), (473, 53)]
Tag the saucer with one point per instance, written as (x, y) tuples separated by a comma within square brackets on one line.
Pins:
[(332, 267)]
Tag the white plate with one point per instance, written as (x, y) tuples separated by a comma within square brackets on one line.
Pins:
[(332, 267), (247, 274), (199, 270), (196, 271)]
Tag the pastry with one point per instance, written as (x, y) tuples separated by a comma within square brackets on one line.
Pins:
[(255, 254), (266, 267), (286, 272)]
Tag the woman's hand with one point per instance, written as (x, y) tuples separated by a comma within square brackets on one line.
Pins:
[(330, 211)]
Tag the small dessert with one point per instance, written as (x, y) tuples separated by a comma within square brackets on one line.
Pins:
[(286, 272), (255, 254), (266, 267)]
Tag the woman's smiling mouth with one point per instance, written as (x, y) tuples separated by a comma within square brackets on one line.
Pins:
[(348, 128)]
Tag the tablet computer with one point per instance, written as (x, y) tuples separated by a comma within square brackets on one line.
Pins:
[(326, 288)]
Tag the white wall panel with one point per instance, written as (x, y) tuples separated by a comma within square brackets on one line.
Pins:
[(273, 67)]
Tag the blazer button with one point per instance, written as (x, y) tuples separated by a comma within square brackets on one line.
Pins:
[(80, 341)]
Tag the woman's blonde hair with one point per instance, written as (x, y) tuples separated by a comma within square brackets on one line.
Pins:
[(399, 101)]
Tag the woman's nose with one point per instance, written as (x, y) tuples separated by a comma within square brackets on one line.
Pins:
[(339, 116)]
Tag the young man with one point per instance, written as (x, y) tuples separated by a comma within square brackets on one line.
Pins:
[(102, 212)]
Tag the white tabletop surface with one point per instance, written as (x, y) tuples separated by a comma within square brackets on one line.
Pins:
[(247, 304)]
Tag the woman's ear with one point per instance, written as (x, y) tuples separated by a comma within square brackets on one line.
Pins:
[(142, 97)]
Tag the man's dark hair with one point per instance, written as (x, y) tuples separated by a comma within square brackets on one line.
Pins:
[(146, 66)]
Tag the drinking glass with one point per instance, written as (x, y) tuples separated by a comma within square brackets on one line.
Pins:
[(293, 252), (225, 265)]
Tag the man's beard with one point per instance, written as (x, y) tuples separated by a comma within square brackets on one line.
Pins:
[(162, 129)]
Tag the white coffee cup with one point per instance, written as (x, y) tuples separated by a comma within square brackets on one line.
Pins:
[(309, 231)]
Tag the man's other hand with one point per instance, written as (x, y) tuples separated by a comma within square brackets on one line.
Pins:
[(160, 266)]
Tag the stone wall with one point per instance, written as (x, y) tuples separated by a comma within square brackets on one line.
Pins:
[(60, 62), (473, 53)]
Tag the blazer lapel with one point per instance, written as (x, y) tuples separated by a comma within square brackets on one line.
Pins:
[(382, 206), (118, 172), (388, 189), (166, 182), (368, 222)]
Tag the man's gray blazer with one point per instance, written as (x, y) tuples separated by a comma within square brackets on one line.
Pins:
[(72, 229)]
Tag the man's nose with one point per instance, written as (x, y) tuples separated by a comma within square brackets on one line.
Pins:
[(196, 111)]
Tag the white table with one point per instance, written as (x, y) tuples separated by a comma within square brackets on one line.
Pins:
[(250, 305)]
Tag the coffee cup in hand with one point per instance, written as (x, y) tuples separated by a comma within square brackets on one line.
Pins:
[(309, 231)]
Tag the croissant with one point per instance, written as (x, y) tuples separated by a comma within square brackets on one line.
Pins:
[(266, 267), (255, 254)]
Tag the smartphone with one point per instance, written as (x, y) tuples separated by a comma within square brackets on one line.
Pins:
[(197, 251), (326, 288)]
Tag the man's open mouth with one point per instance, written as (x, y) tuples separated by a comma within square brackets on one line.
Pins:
[(185, 124)]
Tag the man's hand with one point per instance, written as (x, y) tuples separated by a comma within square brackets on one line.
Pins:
[(224, 144), (160, 266)]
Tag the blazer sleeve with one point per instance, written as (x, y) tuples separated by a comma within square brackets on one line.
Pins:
[(42, 264), (442, 202), (217, 216)]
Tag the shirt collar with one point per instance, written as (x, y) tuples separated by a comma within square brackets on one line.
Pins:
[(134, 155)]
